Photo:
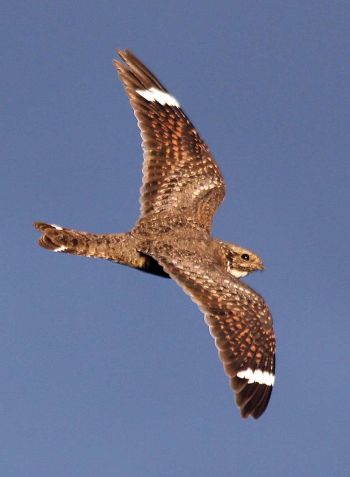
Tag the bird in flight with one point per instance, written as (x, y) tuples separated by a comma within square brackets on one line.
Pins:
[(181, 190)]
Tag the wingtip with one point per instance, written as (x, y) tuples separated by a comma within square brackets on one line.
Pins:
[(251, 399), (40, 226), (123, 54), (117, 64)]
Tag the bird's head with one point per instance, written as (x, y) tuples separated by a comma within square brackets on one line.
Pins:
[(240, 261)]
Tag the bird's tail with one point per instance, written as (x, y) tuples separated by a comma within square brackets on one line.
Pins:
[(60, 239), (120, 248)]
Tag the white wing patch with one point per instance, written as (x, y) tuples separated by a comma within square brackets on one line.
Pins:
[(57, 227), (257, 376), (161, 97)]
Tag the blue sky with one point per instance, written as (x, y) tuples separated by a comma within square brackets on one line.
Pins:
[(106, 371)]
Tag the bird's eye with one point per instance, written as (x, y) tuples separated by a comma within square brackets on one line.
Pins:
[(245, 257)]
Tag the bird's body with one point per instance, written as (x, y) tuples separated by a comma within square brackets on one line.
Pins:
[(182, 188)]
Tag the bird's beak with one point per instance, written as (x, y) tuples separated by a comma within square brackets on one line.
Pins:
[(261, 266)]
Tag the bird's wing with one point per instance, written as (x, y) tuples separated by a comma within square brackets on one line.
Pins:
[(178, 170), (239, 321)]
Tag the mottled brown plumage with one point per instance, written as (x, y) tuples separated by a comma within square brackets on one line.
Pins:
[(181, 190)]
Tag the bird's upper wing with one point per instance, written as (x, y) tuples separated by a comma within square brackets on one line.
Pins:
[(239, 321), (178, 170)]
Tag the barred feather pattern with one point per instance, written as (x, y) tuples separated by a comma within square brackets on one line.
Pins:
[(238, 319), (179, 172), (181, 191)]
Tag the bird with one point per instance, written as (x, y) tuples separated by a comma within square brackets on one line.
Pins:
[(182, 187)]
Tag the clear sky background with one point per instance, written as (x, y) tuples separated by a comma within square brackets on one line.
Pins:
[(108, 371)]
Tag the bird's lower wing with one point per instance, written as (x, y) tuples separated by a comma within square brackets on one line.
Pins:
[(239, 321)]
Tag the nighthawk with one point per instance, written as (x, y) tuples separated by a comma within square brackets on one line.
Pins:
[(181, 191)]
